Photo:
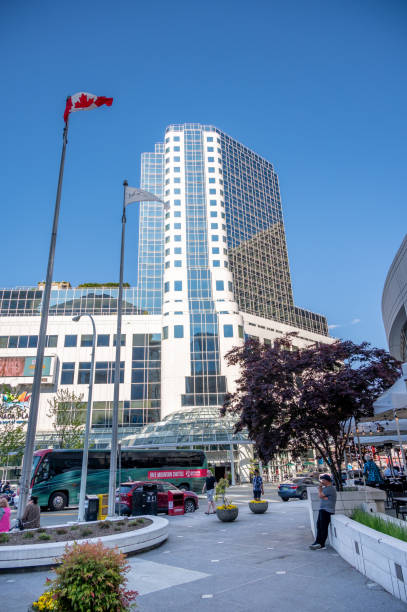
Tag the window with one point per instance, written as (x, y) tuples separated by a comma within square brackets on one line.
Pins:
[(230, 285), (67, 372), (215, 250), (216, 263), (71, 340), (86, 340), (167, 251), (212, 202), (178, 331), (267, 342), (123, 340), (177, 213), (214, 213), (103, 340), (165, 333), (177, 180), (228, 331), (220, 285), (176, 138), (104, 372), (166, 287), (209, 139), (178, 285), (84, 373), (167, 239), (52, 341), (210, 149), (167, 227), (215, 238), (177, 202), (212, 191), (176, 148), (177, 251), (177, 191), (177, 238), (167, 264), (178, 312), (214, 226), (177, 169), (177, 158), (211, 159), (32, 341), (212, 180), (177, 226), (240, 331), (177, 263), (211, 169)]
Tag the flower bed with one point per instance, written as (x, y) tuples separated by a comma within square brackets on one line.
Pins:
[(71, 532), (375, 522)]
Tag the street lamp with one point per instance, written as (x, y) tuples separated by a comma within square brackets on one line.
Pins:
[(84, 476)]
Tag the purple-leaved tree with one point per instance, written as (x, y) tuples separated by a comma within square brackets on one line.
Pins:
[(297, 399)]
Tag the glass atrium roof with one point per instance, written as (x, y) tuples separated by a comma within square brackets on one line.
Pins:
[(189, 427)]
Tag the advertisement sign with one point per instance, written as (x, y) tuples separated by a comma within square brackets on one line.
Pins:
[(163, 474), (12, 367)]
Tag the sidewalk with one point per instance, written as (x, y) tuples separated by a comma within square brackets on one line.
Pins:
[(259, 562)]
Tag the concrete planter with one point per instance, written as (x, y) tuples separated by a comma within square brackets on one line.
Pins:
[(259, 508), (227, 516), (382, 558), (35, 555), (346, 502)]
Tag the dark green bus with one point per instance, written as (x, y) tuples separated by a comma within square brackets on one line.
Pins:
[(56, 474)]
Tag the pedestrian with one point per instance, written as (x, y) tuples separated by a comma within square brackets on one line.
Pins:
[(209, 487), (327, 495), (32, 513), (258, 489), (4, 515), (372, 472)]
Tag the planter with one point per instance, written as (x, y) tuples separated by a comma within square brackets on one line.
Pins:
[(227, 515), (259, 507)]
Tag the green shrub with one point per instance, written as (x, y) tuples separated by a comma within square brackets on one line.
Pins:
[(44, 536), (136, 522), (61, 531), (121, 523), (105, 525), (86, 532), (74, 527), (92, 577), (41, 530), (28, 535), (117, 528), (3, 538), (375, 522)]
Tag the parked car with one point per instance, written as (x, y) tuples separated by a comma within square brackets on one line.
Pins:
[(296, 488), (125, 492)]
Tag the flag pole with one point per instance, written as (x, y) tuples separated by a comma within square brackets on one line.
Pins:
[(115, 415), (25, 481)]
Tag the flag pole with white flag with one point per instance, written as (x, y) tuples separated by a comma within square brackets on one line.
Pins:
[(79, 101), (130, 195)]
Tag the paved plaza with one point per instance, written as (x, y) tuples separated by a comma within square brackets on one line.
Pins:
[(259, 562)]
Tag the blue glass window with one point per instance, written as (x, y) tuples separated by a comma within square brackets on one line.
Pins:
[(177, 226), (177, 238), (176, 138), (71, 340), (167, 227), (177, 191), (167, 264), (103, 340), (215, 238), (211, 169), (212, 202), (216, 263), (166, 287), (177, 250), (228, 331), (177, 180), (167, 251), (210, 149), (178, 285), (209, 139), (212, 191), (177, 159), (165, 333), (214, 213), (68, 369), (215, 250), (177, 202), (177, 169), (176, 148), (211, 159), (212, 180), (230, 285), (177, 263), (177, 213), (220, 285), (178, 331), (214, 226)]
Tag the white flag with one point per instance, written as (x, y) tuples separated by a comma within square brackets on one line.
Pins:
[(139, 195)]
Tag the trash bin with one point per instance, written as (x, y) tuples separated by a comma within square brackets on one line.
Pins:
[(91, 507), (103, 506), (137, 502), (150, 498)]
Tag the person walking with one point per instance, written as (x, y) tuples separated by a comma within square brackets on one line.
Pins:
[(4, 515), (209, 487), (327, 495), (372, 472), (32, 513), (258, 489)]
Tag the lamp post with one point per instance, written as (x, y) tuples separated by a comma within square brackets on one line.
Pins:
[(84, 475)]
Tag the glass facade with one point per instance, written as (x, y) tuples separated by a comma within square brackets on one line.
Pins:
[(146, 376)]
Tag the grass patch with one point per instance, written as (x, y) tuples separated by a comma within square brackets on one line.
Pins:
[(61, 531), (3, 537), (74, 527), (28, 535), (375, 522), (121, 523), (41, 530), (117, 528), (86, 532), (105, 525), (44, 536)]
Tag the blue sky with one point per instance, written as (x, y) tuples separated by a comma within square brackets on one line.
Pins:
[(316, 87)]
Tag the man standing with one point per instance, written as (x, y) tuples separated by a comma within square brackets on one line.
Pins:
[(209, 486), (258, 489), (327, 495)]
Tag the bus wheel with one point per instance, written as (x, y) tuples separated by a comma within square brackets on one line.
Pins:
[(184, 486), (58, 501)]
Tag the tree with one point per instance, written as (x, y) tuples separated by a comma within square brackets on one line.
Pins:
[(13, 416), (300, 398), (68, 414)]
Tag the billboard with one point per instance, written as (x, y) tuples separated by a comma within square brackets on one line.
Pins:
[(14, 367)]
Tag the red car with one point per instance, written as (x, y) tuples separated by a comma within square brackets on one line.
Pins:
[(124, 497)]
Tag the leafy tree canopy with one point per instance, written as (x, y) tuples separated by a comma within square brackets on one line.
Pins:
[(300, 398)]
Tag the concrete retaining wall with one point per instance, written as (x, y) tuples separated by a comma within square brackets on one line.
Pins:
[(34, 555), (382, 558), (346, 501)]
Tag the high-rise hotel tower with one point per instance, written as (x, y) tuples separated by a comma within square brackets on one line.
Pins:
[(218, 254)]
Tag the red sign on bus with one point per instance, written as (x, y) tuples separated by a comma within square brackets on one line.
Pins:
[(163, 474)]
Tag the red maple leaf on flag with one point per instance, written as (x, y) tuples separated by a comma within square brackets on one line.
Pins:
[(84, 101)]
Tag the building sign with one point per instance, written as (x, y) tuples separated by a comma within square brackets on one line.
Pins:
[(163, 474), (14, 367)]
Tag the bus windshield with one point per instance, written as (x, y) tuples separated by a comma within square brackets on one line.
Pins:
[(36, 460)]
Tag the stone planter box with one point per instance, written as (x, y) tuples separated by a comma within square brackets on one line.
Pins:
[(227, 516), (380, 557), (35, 555), (259, 508), (346, 502)]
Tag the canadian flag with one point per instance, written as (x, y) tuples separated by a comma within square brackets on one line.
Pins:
[(84, 101)]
